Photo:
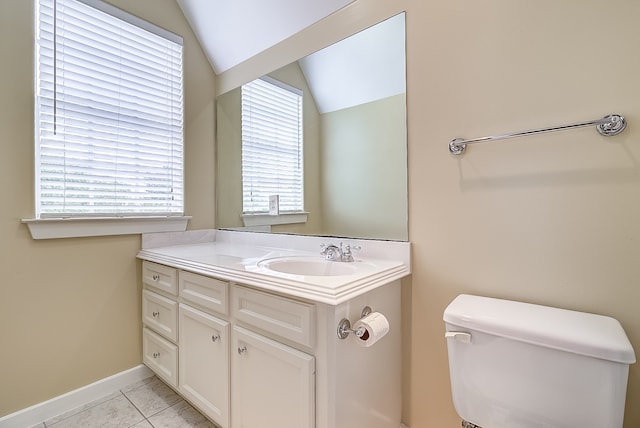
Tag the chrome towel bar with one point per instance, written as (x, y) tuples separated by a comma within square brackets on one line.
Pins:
[(609, 125)]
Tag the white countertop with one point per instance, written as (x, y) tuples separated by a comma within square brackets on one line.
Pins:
[(235, 256)]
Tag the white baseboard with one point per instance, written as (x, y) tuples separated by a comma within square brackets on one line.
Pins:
[(65, 402)]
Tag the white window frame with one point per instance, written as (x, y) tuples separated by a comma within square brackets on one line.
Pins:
[(112, 222), (260, 214)]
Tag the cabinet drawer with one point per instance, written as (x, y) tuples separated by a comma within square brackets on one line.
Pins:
[(284, 317), (160, 355), (161, 277), (160, 314), (208, 293)]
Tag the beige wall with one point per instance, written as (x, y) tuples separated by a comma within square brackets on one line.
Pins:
[(364, 159), (70, 308), (550, 219)]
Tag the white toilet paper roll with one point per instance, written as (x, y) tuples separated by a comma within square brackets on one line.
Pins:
[(371, 328)]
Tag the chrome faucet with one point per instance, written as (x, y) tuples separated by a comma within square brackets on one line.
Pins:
[(332, 252), (338, 254)]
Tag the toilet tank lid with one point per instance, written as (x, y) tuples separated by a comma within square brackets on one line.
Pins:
[(571, 331)]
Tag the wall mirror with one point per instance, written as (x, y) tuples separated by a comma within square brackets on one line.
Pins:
[(354, 141)]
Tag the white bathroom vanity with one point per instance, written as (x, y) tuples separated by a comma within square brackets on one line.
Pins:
[(245, 327)]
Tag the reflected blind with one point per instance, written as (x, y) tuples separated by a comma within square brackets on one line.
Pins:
[(109, 113), (271, 146)]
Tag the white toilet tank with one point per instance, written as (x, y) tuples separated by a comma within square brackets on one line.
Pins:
[(518, 365)]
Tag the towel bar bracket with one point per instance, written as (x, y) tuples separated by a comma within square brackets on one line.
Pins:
[(611, 125)]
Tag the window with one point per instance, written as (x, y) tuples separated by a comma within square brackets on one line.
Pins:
[(271, 147), (109, 113)]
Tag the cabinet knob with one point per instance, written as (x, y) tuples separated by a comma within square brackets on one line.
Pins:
[(156, 354), (155, 314), (242, 349), (215, 337), (156, 277)]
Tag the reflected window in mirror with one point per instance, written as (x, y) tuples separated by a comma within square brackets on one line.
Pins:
[(355, 141), (272, 145)]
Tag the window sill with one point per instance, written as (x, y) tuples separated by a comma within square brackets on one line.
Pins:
[(52, 228), (270, 220)]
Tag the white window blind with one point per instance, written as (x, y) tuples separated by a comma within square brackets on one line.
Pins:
[(109, 113), (272, 143)]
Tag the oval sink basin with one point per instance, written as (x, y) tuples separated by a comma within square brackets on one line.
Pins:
[(309, 266)]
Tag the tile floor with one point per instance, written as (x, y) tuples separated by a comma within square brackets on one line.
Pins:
[(145, 404)]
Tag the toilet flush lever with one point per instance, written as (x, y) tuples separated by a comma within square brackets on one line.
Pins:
[(460, 336)]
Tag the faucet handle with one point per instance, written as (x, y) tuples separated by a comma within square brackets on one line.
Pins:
[(348, 248), (347, 256)]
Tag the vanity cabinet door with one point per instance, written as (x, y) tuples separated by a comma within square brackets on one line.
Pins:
[(273, 384), (204, 363)]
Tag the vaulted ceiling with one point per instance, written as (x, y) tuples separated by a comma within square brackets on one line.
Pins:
[(231, 31), (365, 67)]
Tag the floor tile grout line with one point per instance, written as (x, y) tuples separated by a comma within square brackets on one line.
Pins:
[(117, 395), (181, 400), (158, 411), (148, 418), (137, 409)]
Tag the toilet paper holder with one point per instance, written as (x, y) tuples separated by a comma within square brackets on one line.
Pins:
[(344, 326)]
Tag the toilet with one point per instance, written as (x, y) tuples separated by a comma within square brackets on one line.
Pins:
[(519, 365)]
